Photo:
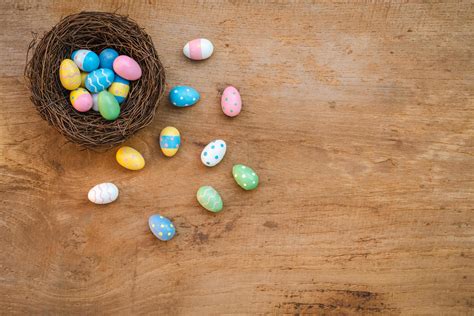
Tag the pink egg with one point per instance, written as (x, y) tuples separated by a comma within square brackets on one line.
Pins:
[(83, 103), (231, 101), (127, 68)]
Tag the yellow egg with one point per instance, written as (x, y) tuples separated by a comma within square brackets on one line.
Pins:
[(69, 75), (170, 140), (83, 79), (130, 158)]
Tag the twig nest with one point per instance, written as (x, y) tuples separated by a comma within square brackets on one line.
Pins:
[(84, 33)]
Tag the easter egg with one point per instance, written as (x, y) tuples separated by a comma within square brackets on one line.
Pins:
[(183, 96), (231, 102), (170, 140), (86, 59), (213, 153), (69, 75), (99, 80), (83, 78), (109, 107), (161, 227), (127, 68), (130, 158), (95, 99), (103, 193), (210, 199), (198, 49), (107, 57), (245, 177), (119, 88), (81, 100)]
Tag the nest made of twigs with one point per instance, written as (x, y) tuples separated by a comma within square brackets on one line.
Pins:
[(94, 31)]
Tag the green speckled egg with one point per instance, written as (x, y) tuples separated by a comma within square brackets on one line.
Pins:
[(245, 177), (210, 199)]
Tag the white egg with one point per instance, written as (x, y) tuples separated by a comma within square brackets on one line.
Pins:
[(103, 193), (213, 153), (95, 98), (198, 49)]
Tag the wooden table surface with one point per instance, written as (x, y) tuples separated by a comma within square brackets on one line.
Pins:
[(359, 120)]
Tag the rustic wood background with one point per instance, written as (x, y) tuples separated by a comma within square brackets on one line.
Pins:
[(359, 120)]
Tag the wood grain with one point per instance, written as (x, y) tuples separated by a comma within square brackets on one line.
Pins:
[(358, 118)]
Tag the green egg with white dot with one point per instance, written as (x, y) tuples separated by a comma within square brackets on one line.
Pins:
[(245, 177), (213, 153)]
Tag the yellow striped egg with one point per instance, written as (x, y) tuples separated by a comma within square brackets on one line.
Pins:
[(170, 140), (130, 158), (69, 75), (120, 88)]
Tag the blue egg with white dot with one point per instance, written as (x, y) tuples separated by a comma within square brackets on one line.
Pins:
[(213, 153), (85, 59), (161, 227), (107, 57), (184, 96)]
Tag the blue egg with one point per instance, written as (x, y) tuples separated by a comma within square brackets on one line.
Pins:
[(99, 80), (183, 96), (85, 59), (107, 57), (161, 227)]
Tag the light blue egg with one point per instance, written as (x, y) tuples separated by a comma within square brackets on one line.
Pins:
[(107, 57), (85, 59), (161, 227), (99, 80), (183, 96)]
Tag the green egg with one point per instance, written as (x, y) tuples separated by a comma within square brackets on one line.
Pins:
[(245, 177), (210, 199), (109, 108)]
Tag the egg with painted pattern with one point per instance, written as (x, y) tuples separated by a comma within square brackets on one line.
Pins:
[(245, 177), (109, 107), (120, 88), (69, 75), (170, 140), (210, 199), (86, 59), (81, 99), (107, 57), (213, 153), (127, 68), (231, 102), (161, 227), (183, 96), (83, 78), (198, 49), (103, 193), (130, 158), (99, 80)]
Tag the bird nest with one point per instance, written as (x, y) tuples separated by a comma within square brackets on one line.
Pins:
[(94, 31)]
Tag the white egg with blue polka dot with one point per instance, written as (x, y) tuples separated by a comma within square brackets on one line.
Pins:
[(213, 153)]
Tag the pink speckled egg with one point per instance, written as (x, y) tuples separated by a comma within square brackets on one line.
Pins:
[(127, 68), (81, 99), (231, 101)]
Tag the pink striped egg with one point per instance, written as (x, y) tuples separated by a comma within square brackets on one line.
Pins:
[(231, 101), (198, 49), (103, 193)]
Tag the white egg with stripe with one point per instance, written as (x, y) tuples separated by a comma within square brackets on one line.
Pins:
[(198, 49), (103, 193)]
